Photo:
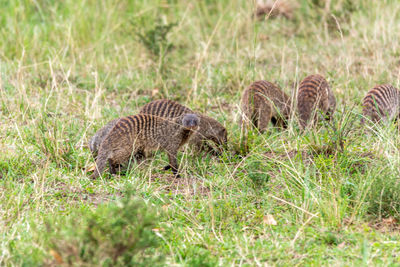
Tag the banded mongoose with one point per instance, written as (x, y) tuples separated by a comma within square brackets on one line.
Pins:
[(143, 133), (209, 129), (381, 103), (274, 8), (314, 93), (264, 102)]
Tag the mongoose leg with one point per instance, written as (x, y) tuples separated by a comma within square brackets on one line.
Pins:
[(204, 146), (214, 151), (94, 154), (112, 167), (140, 156), (173, 163), (279, 122), (264, 118), (315, 120), (282, 123), (166, 168), (329, 116), (254, 120), (174, 171)]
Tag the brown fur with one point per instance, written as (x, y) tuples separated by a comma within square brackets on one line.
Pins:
[(381, 103), (263, 102), (140, 133), (95, 141), (209, 129), (314, 93)]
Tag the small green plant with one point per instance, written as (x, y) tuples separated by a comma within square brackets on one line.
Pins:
[(384, 195), (340, 130), (47, 140), (333, 13), (116, 234), (257, 171), (156, 39)]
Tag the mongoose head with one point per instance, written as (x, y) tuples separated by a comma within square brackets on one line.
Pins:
[(216, 132), (191, 121)]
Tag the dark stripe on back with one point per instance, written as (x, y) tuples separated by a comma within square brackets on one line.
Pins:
[(162, 109), (313, 82), (310, 83), (132, 123), (169, 109), (158, 106), (147, 109), (258, 88), (378, 97), (385, 92), (153, 125), (140, 121), (128, 124), (173, 110), (121, 126), (137, 129)]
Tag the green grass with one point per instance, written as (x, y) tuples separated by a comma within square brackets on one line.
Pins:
[(69, 67)]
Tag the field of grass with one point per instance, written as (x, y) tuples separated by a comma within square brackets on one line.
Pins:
[(330, 196)]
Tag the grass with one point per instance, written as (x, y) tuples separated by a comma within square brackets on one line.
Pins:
[(69, 67)]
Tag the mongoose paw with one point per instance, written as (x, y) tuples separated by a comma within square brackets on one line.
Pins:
[(176, 173), (216, 153), (166, 168)]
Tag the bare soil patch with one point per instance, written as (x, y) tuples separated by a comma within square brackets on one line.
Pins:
[(187, 186)]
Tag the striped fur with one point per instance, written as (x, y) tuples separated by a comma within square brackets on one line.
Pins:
[(263, 102), (314, 93), (381, 103), (138, 134), (162, 108), (165, 108), (209, 129)]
